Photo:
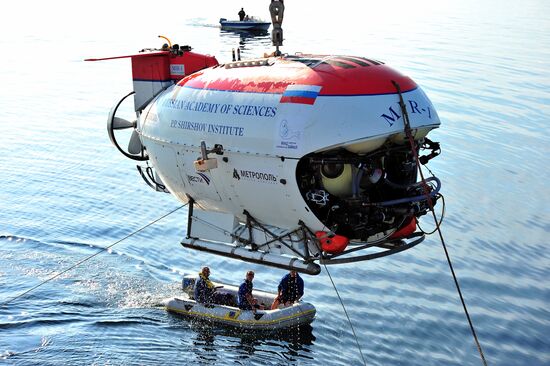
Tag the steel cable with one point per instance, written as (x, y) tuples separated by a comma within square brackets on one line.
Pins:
[(438, 228), (347, 316)]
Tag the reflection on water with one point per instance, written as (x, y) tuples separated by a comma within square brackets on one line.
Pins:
[(247, 40), (289, 344), (246, 34)]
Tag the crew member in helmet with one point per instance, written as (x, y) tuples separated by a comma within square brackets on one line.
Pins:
[(290, 290), (242, 14)]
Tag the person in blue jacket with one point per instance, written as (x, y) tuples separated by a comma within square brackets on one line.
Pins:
[(245, 300), (290, 290)]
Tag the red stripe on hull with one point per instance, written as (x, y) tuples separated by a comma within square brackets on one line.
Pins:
[(298, 100)]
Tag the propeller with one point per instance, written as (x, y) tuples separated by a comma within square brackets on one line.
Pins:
[(121, 123), (135, 148), (134, 145)]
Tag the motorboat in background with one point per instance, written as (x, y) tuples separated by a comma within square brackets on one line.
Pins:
[(250, 24)]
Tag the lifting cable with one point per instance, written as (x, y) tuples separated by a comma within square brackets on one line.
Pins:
[(90, 257), (430, 204), (347, 316)]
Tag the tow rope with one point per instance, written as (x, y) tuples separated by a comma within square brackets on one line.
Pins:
[(89, 257), (430, 204)]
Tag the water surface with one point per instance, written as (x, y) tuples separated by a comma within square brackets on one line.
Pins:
[(67, 192)]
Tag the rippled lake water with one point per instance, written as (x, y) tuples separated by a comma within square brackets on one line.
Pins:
[(66, 192)]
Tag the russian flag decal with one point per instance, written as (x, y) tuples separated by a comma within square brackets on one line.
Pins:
[(300, 94)]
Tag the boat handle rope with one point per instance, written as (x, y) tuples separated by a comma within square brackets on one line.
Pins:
[(408, 133), (90, 257)]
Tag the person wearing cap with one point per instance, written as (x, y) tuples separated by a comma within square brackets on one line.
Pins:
[(245, 300), (290, 290)]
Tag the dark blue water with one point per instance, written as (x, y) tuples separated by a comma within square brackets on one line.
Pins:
[(66, 192)]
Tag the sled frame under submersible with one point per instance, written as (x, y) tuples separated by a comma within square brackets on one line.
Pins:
[(301, 242)]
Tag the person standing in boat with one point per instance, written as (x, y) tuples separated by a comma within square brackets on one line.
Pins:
[(290, 290), (242, 14), (245, 300), (205, 291)]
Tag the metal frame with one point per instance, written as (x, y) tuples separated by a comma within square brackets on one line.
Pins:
[(307, 236)]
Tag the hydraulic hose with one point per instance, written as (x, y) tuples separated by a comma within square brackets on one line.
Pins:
[(398, 201), (167, 40)]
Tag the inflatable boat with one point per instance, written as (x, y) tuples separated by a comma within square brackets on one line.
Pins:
[(299, 313)]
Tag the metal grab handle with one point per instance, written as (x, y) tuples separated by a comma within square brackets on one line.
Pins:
[(277, 9)]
